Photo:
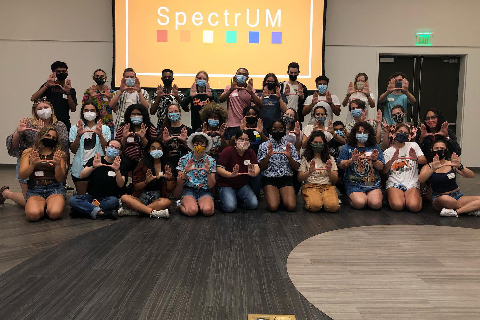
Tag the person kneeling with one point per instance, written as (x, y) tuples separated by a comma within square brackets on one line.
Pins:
[(319, 170), (235, 165), (196, 175), (105, 179), (151, 179)]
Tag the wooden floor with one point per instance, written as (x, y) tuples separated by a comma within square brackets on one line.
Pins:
[(222, 267)]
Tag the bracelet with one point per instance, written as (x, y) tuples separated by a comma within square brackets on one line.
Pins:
[(430, 165), (461, 167)]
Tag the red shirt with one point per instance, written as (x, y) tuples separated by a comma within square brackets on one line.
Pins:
[(228, 159)]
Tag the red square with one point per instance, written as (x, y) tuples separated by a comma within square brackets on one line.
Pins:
[(162, 35)]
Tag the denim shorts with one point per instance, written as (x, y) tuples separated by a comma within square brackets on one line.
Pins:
[(455, 195), (17, 168), (196, 193), (148, 197), (46, 191), (353, 187)]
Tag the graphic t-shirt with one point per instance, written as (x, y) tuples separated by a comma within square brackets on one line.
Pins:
[(320, 175), (361, 172), (404, 171)]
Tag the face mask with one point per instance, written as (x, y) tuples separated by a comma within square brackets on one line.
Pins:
[(199, 149), (398, 117), (317, 147), (356, 113), (156, 154), (243, 145), (287, 120), (251, 120), (112, 153), (440, 153), (62, 76), (174, 116), (340, 133), (322, 88), (49, 143), (321, 119), (136, 120), (44, 113), (278, 135), (89, 115), (241, 79), (213, 123), (167, 82), (130, 82), (362, 137), (401, 137), (100, 80), (271, 86), (201, 83), (292, 77)]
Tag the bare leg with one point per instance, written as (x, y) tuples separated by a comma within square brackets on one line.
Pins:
[(189, 206), (272, 197), (160, 204), (55, 206), (445, 202), (469, 204), (358, 200), (81, 187), (288, 198), (206, 205), (135, 204), (17, 197), (374, 199), (413, 199), (396, 199), (35, 208)]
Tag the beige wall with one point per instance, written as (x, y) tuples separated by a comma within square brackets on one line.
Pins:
[(33, 34)]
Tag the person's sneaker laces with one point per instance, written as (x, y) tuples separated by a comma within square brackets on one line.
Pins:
[(448, 213), (124, 211), (160, 214)]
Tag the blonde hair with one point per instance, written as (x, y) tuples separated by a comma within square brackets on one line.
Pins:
[(34, 118), (202, 71), (37, 144)]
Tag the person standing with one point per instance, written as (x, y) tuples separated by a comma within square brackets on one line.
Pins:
[(359, 89), (322, 97), (294, 90), (397, 94)]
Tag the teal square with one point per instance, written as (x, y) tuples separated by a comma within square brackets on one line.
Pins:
[(231, 36)]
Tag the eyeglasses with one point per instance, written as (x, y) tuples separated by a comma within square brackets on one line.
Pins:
[(199, 144), (243, 139), (430, 118), (277, 130)]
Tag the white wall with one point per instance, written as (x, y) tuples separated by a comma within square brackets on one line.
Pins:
[(33, 34)]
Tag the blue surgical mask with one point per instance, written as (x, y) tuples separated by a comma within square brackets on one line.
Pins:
[(322, 88), (174, 116), (156, 154), (130, 82), (340, 133), (356, 113), (136, 120), (321, 119), (201, 83), (362, 137), (112, 153), (241, 78), (213, 123)]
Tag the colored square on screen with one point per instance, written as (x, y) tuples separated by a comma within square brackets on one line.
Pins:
[(207, 36), (184, 35), (277, 37), (253, 37), (231, 37), (161, 35)]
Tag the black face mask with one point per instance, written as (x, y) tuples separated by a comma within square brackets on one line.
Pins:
[(277, 135), (62, 76), (271, 86), (100, 80), (251, 120), (287, 120), (49, 143), (293, 77), (441, 154), (401, 137), (167, 82)]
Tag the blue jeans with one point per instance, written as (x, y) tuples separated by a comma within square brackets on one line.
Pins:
[(83, 204), (228, 198), (255, 184)]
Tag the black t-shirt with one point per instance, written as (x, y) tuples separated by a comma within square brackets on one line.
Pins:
[(175, 147), (59, 102), (102, 181)]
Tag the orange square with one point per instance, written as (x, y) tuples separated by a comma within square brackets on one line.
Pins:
[(184, 35)]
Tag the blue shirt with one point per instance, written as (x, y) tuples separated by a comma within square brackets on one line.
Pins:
[(361, 172), (278, 165), (391, 101), (197, 178)]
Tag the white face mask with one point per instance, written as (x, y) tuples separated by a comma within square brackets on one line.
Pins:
[(89, 115), (243, 145), (45, 113)]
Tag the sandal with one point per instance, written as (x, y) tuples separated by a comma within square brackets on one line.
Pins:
[(2, 199)]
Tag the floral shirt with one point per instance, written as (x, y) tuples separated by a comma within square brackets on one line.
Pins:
[(165, 101), (278, 165), (101, 101), (197, 178)]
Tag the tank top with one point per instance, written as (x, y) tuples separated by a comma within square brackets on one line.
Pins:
[(443, 182), (44, 170)]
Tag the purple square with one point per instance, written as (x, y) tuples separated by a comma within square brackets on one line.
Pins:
[(276, 37)]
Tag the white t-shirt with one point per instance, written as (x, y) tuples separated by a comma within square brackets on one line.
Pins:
[(322, 101), (319, 176), (360, 96), (292, 98), (404, 171), (307, 131)]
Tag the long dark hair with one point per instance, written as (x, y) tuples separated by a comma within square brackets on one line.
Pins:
[(82, 109), (447, 150), (440, 119), (167, 123), (309, 154), (352, 139), (148, 160), (268, 76), (145, 115)]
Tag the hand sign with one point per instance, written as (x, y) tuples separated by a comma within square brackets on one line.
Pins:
[(208, 90), (355, 155), (300, 92), (243, 124), (330, 127), (206, 166), (391, 85), (366, 89), (67, 87), (175, 90), (57, 157), (204, 128), (22, 125), (193, 89), (374, 155), (190, 166), (328, 166), (235, 171), (328, 97), (270, 149), (287, 89), (423, 132), (265, 91), (116, 163), (234, 83), (34, 157), (126, 130), (168, 172), (436, 163), (396, 154), (277, 93), (350, 89), (250, 86), (259, 127), (80, 129), (51, 80), (296, 130), (222, 130), (137, 85), (311, 166), (123, 85), (166, 135), (455, 161), (443, 130), (160, 92), (183, 134), (251, 170), (405, 85), (379, 117), (97, 160), (412, 154), (315, 98), (288, 150), (143, 131), (149, 176), (98, 128), (92, 91)]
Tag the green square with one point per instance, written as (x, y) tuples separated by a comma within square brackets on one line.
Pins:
[(231, 36)]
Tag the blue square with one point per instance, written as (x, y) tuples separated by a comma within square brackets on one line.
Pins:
[(276, 37), (253, 37)]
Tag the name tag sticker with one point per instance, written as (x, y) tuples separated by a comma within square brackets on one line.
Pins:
[(39, 174), (130, 140), (160, 173), (368, 153), (246, 162), (234, 94), (451, 175), (105, 99), (65, 96), (111, 173), (391, 99)]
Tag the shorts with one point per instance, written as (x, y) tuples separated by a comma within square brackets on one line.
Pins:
[(148, 197), (354, 187), (196, 193), (454, 194), (278, 183), (46, 191), (402, 186), (75, 179), (17, 168)]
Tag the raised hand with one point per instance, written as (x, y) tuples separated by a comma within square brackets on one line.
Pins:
[(234, 84), (126, 130), (330, 127), (190, 166), (355, 155), (243, 124), (251, 170), (269, 149), (160, 92), (183, 134), (92, 91), (265, 92), (250, 86), (436, 163), (385, 126), (175, 90), (166, 135), (443, 130), (68, 86), (97, 160), (374, 155), (455, 160), (277, 93), (57, 157), (412, 154), (328, 166), (391, 85), (351, 89), (396, 154), (80, 129), (149, 177), (366, 89), (22, 125), (143, 131), (34, 157), (168, 172), (300, 91), (296, 129), (423, 132), (315, 97), (98, 128), (51, 80), (287, 89), (222, 130), (379, 117), (235, 171), (193, 89), (288, 150), (311, 166), (206, 166), (204, 128), (116, 163), (123, 85), (137, 85), (40, 124), (208, 90), (404, 85), (259, 127), (328, 97)]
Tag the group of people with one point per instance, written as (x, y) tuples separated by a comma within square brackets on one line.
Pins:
[(258, 142)]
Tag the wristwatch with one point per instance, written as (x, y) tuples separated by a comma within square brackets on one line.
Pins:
[(461, 167)]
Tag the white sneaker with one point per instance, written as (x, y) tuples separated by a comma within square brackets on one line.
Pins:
[(475, 213), (448, 213), (179, 203), (160, 214), (124, 211)]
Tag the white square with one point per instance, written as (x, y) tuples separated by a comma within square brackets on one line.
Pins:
[(207, 36)]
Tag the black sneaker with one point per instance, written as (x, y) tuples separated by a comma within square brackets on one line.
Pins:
[(112, 214)]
